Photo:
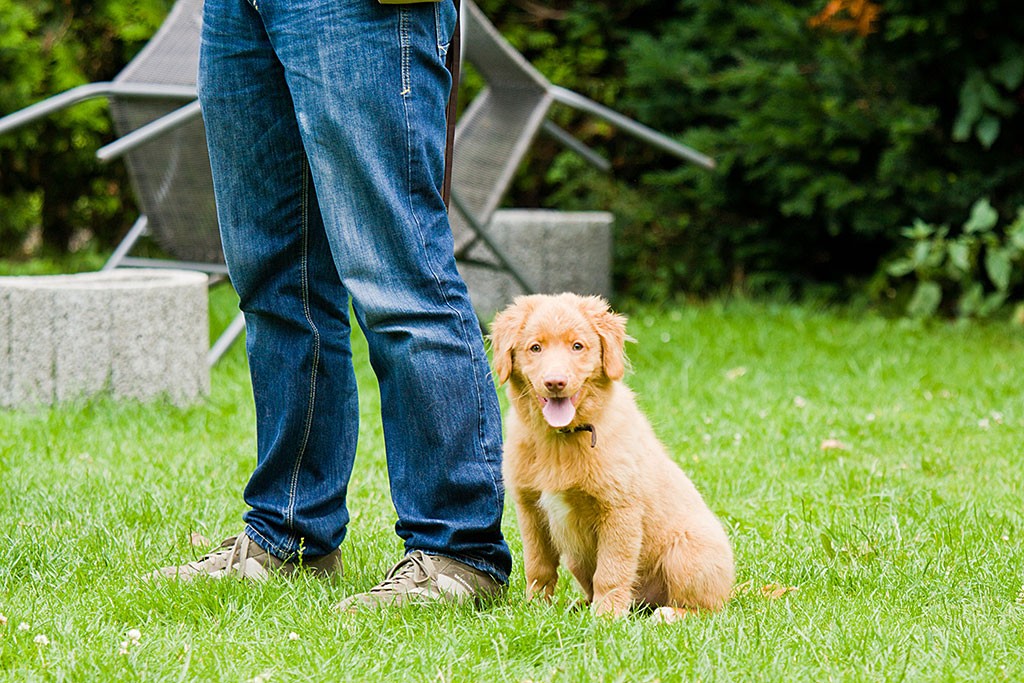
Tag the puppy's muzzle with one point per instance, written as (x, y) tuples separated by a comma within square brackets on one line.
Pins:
[(555, 383)]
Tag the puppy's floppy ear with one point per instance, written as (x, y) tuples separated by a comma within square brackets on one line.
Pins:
[(611, 328), (505, 330)]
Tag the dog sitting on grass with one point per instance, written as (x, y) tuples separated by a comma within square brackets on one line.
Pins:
[(592, 485)]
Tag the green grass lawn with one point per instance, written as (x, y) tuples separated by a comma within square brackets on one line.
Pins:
[(869, 472)]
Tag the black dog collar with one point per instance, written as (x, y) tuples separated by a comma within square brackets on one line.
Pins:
[(583, 428)]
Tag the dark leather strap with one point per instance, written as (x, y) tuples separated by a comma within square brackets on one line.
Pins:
[(452, 62)]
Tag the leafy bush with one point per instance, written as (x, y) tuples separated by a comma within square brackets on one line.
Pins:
[(49, 178), (581, 46), (970, 273), (832, 128)]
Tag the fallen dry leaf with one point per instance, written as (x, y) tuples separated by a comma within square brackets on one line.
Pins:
[(741, 588), (774, 591), (834, 445)]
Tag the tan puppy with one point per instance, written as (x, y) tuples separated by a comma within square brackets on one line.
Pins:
[(591, 482)]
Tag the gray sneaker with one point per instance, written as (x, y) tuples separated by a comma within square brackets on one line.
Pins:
[(239, 556), (420, 578)]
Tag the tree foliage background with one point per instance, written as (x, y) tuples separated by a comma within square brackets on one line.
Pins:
[(51, 186), (835, 124)]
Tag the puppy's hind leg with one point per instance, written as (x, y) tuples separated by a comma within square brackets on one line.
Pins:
[(698, 574), (669, 615)]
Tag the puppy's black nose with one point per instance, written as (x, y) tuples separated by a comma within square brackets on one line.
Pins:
[(555, 382)]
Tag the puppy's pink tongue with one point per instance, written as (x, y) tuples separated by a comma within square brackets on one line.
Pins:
[(559, 411)]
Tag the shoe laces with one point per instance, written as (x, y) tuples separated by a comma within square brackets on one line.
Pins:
[(239, 553), (415, 568), (235, 555)]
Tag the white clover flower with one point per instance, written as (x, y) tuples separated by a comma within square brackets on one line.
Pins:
[(134, 635), (41, 640), (23, 626), (293, 636)]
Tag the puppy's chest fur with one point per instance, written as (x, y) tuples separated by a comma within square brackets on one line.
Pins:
[(575, 484), (571, 517)]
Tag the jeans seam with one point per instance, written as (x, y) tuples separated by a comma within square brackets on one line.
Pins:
[(404, 42), (442, 48), (265, 543), (304, 269)]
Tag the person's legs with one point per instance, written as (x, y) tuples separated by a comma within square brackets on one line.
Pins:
[(369, 88), (362, 86), (296, 309)]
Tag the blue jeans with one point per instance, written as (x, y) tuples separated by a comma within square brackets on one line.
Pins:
[(326, 123)]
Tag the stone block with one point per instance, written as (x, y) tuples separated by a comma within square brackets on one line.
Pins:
[(138, 334), (80, 325), (554, 251), (30, 357)]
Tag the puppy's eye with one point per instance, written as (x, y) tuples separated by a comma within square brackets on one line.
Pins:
[(578, 346), (534, 348)]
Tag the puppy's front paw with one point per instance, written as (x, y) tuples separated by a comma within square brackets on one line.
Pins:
[(611, 605), (537, 589)]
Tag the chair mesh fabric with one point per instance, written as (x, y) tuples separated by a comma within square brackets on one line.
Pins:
[(170, 174)]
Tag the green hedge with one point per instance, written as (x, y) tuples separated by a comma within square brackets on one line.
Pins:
[(830, 140)]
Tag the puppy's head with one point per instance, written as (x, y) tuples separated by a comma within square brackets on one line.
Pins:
[(558, 350)]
